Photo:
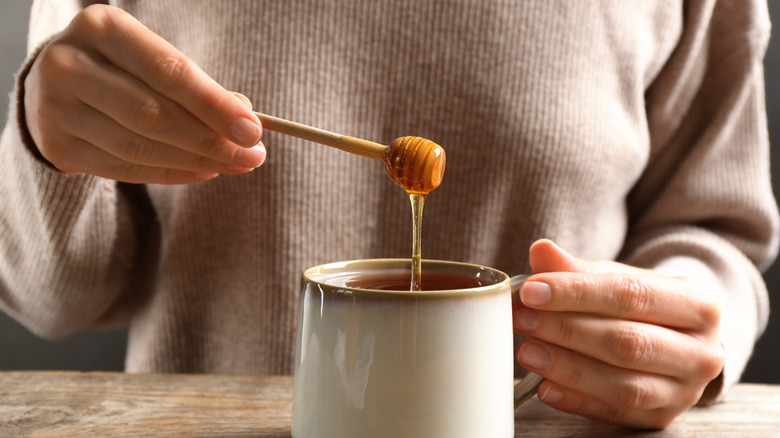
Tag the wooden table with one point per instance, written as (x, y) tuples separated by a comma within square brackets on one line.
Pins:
[(66, 404)]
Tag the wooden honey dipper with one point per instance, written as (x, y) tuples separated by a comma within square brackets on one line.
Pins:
[(414, 163)]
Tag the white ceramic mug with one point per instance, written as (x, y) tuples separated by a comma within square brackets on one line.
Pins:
[(397, 363)]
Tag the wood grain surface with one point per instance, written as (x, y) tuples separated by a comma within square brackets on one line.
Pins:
[(68, 404)]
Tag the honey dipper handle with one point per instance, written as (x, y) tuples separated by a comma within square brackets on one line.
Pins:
[(354, 145)]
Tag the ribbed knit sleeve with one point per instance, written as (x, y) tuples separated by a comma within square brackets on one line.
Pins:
[(68, 241), (704, 208)]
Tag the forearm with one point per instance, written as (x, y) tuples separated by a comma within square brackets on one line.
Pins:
[(704, 209), (69, 241)]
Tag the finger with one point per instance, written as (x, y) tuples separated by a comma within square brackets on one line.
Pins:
[(609, 384), (98, 129), (624, 344), (166, 70), (674, 302), (577, 403), (141, 110), (94, 161)]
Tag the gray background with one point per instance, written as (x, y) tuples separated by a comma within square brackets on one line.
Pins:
[(104, 350)]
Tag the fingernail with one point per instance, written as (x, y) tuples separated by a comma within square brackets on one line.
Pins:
[(535, 293), (534, 356), (525, 319), (246, 131), (203, 176), (238, 169), (244, 100), (250, 157), (551, 395)]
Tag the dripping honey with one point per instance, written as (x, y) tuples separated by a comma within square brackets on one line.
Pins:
[(417, 165)]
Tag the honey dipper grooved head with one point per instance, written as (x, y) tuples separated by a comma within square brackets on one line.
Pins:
[(415, 163)]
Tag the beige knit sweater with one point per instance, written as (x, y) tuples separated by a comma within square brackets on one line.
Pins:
[(625, 130)]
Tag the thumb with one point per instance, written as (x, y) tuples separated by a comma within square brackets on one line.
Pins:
[(546, 256), (245, 100)]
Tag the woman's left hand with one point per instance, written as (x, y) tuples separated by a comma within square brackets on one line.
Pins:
[(614, 342)]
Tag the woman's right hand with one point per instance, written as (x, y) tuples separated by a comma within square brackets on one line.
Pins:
[(109, 97)]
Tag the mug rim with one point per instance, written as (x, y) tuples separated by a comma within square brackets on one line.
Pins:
[(311, 275)]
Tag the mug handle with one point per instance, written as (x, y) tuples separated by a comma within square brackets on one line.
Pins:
[(527, 387)]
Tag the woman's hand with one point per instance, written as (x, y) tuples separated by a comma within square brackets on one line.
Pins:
[(109, 97), (616, 343)]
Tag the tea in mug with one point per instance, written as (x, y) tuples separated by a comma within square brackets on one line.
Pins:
[(401, 281)]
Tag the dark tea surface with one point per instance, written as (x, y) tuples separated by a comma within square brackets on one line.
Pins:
[(401, 281)]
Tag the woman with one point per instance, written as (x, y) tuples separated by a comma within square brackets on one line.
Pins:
[(632, 135)]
